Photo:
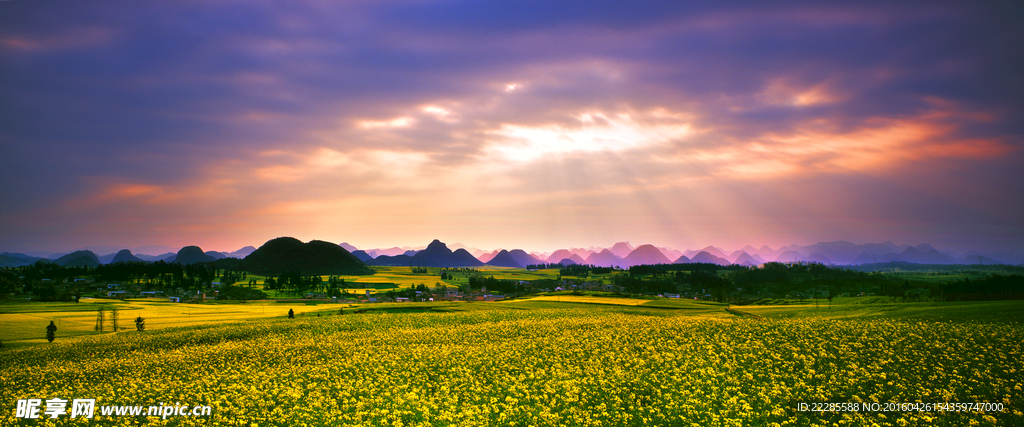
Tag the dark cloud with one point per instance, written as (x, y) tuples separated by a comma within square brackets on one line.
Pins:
[(179, 97)]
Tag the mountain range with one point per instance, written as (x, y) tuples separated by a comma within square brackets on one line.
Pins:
[(621, 254)]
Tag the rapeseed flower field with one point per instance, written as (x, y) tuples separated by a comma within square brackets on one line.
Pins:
[(589, 366)]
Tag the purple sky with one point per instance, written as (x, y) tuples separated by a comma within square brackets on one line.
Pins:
[(538, 125)]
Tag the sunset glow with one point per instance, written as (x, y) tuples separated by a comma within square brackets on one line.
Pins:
[(387, 124)]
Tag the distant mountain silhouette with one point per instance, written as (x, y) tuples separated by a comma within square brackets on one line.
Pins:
[(683, 259), (125, 255), (978, 259), (670, 253), (1000, 257), (64, 260), (559, 255), (362, 255), (217, 255), (169, 256), (621, 249), (16, 259), (864, 258), (316, 257), (242, 253), (789, 256), (605, 258), (391, 261), (488, 256), (708, 258), (389, 252), (462, 258), (567, 261), (348, 247), (818, 257), (504, 259), (746, 259), (645, 254), (82, 261), (192, 255), (914, 255), (523, 258), (437, 254), (583, 253), (577, 259)]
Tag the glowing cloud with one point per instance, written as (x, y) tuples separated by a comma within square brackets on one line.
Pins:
[(587, 132)]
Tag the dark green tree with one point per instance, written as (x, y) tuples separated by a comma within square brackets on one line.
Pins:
[(140, 323), (291, 313)]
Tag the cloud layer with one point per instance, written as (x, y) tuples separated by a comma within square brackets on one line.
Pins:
[(531, 124)]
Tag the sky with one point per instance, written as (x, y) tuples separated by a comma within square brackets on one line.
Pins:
[(497, 124)]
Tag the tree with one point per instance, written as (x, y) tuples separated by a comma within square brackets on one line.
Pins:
[(291, 313), (100, 316), (113, 318), (140, 323), (51, 332)]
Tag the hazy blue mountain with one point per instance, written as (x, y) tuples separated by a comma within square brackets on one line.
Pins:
[(216, 255), (818, 257), (683, 259), (914, 255), (978, 259), (241, 253), (8, 259), (789, 256), (362, 255), (162, 257), (864, 258)]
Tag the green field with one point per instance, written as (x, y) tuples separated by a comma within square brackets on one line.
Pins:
[(559, 359)]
